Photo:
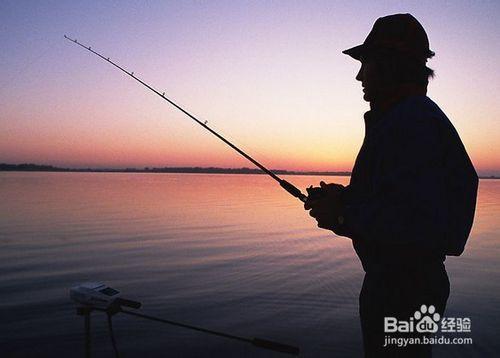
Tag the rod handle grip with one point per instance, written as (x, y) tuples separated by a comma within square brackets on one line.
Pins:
[(292, 189), (275, 346)]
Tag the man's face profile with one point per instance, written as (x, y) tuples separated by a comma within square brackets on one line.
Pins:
[(370, 77)]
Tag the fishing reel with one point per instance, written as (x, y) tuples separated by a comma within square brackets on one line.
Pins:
[(315, 193)]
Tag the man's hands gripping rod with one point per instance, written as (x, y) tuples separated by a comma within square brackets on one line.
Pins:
[(326, 205), (324, 202)]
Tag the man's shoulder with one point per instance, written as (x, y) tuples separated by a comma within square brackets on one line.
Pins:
[(419, 112), (418, 108)]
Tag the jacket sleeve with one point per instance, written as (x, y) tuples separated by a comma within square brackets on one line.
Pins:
[(407, 203)]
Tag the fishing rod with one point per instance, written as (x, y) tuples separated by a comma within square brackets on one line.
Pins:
[(290, 188)]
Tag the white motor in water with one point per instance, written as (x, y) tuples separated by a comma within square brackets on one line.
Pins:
[(99, 295)]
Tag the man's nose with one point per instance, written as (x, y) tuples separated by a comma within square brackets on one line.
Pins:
[(359, 76)]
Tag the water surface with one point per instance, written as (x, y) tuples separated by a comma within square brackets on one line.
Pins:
[(233, 253)]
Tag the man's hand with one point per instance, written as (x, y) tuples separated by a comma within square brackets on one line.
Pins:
[(327, 209)]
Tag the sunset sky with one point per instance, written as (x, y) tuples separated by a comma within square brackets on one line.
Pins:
[(269, 75)]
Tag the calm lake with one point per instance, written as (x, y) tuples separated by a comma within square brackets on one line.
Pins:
[(233, 253)]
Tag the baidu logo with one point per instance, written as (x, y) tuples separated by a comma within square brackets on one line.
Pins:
[(424, 320), (427, 319), (427, 322)]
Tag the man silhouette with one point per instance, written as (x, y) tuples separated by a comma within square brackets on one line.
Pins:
[(412, 192)]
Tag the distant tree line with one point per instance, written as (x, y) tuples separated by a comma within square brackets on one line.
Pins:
[(30, 167), (215, 170)]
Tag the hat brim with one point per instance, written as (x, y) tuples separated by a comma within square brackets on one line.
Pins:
[(355, 52)]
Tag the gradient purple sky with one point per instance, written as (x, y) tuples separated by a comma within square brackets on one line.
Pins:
[(269, 75)]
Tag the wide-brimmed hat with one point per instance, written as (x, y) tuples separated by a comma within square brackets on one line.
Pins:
[(400, 33)]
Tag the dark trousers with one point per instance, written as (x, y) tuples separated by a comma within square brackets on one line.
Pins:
[(398, 291)]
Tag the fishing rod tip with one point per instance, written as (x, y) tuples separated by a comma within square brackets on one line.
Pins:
[(69, 38)]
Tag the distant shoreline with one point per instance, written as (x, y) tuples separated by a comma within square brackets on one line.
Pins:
[(29, 167)]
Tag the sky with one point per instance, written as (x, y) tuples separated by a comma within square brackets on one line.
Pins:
[(268, 75)]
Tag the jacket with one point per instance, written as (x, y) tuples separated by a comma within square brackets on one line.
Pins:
[(413, 188)]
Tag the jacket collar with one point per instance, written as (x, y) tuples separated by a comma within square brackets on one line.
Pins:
[(404, 91)]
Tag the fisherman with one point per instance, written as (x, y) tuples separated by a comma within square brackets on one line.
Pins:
[(412, 193)]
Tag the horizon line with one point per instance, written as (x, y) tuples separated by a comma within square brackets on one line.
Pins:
[(185, 169), (175, 169)]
